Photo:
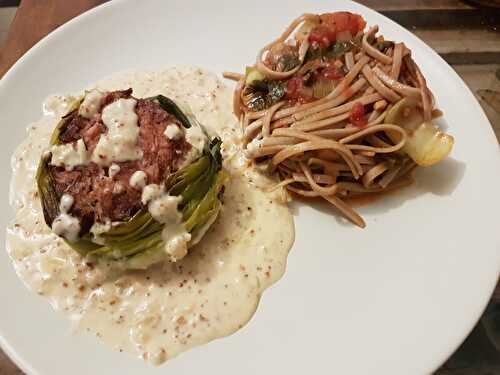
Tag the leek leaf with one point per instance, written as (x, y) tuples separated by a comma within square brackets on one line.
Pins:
[(426, 144), (138, 241)]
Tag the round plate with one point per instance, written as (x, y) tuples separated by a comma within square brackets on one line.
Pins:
[(395, 298)]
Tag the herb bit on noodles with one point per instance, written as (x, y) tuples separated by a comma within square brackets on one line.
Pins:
[(338, 112)]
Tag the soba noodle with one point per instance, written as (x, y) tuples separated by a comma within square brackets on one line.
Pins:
[(312, 145)]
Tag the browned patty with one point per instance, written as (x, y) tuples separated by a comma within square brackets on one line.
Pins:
[(90, 186)]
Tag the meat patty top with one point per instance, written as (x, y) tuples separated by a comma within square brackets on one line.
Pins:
[(104, 193)]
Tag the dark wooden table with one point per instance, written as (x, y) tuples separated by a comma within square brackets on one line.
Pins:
[(465, 35)]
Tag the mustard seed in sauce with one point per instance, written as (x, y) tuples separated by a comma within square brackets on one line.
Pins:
[(136, 311)]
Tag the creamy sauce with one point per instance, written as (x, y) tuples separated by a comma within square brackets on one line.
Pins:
[(58, 105), (253, 147), (113, 170), (98, 228), (173, 132), (195, 136), (198, 140), (66, 202), (171, 307), (91, 104), (150, 192), (69, 155), (163, 208), (64, 224), (120, 142), (138, 180)]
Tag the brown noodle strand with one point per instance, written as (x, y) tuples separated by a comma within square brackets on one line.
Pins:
[(399, 87), (340, 109), (237, 97), (349, 60), (261, 67), (300, 148), (315, 125), (397, 59), (372, 51), (347, 211), (369, 177), (315, 146), (266, 121), (383, 90), (389, 176), (321, 106)]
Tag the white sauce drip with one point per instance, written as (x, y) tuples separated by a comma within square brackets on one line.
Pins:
[(170, 308), (64, 224), (69, 155), (253, 147), (113, 170), (175, 236), (173, 132), (150, 192), (196, 137), (120, 142), (98, 228), (163, 208), (58, 105), (198, 140), (66, 203), (91, 104), (196, 237), (138, 180)]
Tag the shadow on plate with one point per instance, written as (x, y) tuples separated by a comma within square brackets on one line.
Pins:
[(441, 180)]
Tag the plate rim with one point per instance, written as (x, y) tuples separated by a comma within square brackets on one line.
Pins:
[(10, 75)]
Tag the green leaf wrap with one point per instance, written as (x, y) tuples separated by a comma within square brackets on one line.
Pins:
[(138, 241)]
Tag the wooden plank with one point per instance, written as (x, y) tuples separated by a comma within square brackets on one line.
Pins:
[(447, 18), (48, 15), (496, 293), (24, 33), (459, 58), (461, 33), (393, 5), (482, 79), (6, 16), (484, 370), (460, 40), (463, 46), (7, 367), (9, 3), (436, 14)]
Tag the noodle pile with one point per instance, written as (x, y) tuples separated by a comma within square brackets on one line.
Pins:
[(313, 146)]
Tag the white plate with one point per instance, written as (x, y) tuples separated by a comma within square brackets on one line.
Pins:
[(395, 298)]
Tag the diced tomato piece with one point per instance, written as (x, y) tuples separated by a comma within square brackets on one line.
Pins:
[(361, 23), (306, 95), (296, 91), (344, 21), (357, 116), (332, 24), (332, 73), (323, 35), (293, 87)]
